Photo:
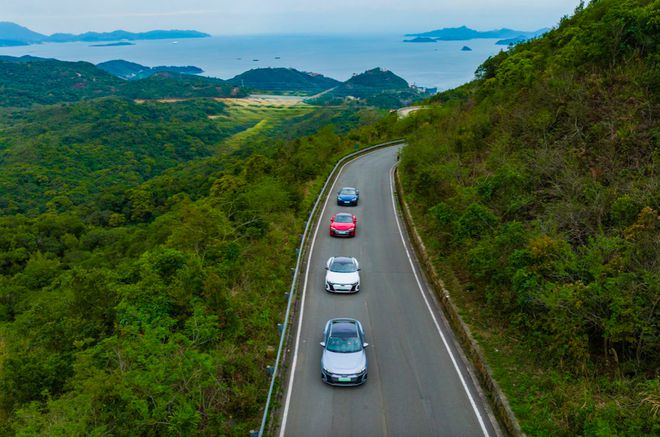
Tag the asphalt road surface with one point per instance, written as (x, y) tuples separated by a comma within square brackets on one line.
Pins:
[(416, 386)]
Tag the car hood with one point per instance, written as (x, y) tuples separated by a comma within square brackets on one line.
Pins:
[(342, 226), (342, 278), (334, 362)]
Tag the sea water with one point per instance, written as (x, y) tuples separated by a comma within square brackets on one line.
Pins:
[(439, 64)]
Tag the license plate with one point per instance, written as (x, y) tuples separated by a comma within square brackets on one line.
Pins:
[(343, 379), (347, 201)]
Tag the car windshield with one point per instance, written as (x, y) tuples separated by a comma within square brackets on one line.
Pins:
[(344, 339), (343, 218), (343, 265), (347, 191)]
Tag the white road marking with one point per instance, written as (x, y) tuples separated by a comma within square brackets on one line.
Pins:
[(302, 301), (428, 306)]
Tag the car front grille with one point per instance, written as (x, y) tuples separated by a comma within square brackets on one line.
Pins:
[(353, 379)]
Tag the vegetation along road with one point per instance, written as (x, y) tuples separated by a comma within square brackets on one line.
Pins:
[(417, 384)]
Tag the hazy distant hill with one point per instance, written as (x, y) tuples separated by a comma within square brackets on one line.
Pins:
[(27, 81), (512, 41), (132, 71), (284, 80), (123, 35), (465, 33), (14, 34), (375, 87)]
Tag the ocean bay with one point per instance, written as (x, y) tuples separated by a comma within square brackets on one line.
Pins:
[(440, 64)]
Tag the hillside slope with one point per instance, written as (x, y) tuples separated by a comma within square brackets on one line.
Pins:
[(283, 80), (27, 81), (375, 87), (536, 188)]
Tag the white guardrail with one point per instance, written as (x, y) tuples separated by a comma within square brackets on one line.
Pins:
[(328, 183)]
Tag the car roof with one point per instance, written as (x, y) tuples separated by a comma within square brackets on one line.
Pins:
[(344, 326), (348, 188), (343, 259)]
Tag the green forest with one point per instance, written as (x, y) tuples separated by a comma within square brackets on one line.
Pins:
[(139, 289), (29, 81), (146, 245), (536, 189)]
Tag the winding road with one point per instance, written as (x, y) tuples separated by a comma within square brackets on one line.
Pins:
[(418, 384)]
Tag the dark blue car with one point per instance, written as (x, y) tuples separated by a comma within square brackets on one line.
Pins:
[(348, 196)]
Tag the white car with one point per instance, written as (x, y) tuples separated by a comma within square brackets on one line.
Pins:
[(343, 275)]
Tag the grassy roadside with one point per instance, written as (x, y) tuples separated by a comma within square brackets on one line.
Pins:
[(546, 400)]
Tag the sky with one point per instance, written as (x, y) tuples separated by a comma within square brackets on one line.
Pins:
[(240, 17)]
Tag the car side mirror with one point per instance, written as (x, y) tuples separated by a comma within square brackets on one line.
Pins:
[(359, 268), (326, 268), (332, 220), (365, 344), (354, 219), (322, 343)]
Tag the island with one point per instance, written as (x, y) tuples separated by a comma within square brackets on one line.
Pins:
[(512, 41), (14, 34), (114, 44), (464, 33), (466, 49), (132, 71), (12, 43), (420, 39)]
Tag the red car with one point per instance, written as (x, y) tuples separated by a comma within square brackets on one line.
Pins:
[(343, 224)]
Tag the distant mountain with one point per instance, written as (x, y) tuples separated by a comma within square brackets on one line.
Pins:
[(28, 81), (114, 44), (14, 34), (12, 43), (420, 39), (25, 58), (375, 87), (513, 41), (132, 71), (377, 78), (118, 35), (465, 33), (283, 80)]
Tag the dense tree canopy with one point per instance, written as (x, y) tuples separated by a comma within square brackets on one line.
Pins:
[(537, 183), (139, 289)]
